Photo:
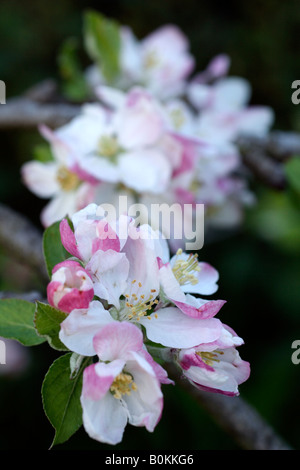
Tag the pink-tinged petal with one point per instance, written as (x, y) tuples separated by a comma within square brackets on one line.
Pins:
[(218, 66), (98, 378), (190, 359), (68, 263), (83, 175), (107, 239), (92, 232), (109, 270), (140, 123), (115, 340), (233, 393), (189, 156), (172, 328), (200, 309), (52, 288), (145, 404), (68, 238), (160, 372), (79, 328), (75, 299), (104, 420), (169, 36)]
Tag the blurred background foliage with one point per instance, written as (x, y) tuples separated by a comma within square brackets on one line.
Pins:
[(259, 265)]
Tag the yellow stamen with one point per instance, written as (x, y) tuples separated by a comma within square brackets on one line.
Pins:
[(151, 60), (67, 179), (184, 270), (137, 305), (209, 357), (123, 385), (177, 118), (108, 147)]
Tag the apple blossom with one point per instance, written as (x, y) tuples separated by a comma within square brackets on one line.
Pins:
[(215, 367), (61, 180), (161, 62), (122, 387)]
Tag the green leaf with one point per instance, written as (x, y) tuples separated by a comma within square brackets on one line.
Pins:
[(54, 251), (74, 83), (43, 153), (103, 43), (47, 323), (17, 321), (292, 171), (61, 398)]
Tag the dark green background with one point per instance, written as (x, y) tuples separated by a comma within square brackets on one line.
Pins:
[(259, 275)]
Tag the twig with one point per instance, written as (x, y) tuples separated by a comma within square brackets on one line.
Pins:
[(235, 416), (25, 113), (280, 145), (32, 296), (19, 237), (262, 165)]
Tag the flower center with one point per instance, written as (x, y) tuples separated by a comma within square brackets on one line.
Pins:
[(67, 179), (209, 357), (151, 60), (108, 147), (184, 270), (177, 118), (122, 385), (138, 305)]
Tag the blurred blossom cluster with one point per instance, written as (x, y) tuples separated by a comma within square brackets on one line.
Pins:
[(155, 130)]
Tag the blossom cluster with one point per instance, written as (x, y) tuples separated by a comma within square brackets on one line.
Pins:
[(157, 134), (130, 306)]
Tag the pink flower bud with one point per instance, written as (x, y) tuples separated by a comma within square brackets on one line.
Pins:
[(70, 288)]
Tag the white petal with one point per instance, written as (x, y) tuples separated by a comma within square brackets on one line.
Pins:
[(111, 96), (145, 170), (104, 420), (100, 168), (145, 404), (40, 178), (174, 329), (231, 94), (109, 271), (62, 205), (81, 325)]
